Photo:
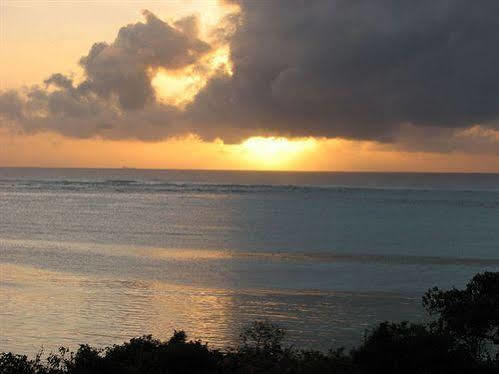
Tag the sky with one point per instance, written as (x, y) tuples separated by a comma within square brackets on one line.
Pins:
[(261, 85)]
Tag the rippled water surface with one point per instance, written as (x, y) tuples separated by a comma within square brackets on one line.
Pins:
[(99, 256)]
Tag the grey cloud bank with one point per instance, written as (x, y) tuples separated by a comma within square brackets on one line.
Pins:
[(355, 69)]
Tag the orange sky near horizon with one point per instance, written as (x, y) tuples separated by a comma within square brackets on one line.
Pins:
[(56, 45), (53, 150)]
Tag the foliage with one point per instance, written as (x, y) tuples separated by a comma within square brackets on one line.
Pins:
[(262, 336), (139, 355), (411, 348), (471, 315)]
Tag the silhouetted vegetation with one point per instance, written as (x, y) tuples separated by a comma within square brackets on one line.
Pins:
[(470, 316), (463, 337)]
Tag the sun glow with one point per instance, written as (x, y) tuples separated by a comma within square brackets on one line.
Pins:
[(275, 152), (179, 87)]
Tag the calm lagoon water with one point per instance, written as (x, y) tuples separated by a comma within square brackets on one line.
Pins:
[(99, 256)]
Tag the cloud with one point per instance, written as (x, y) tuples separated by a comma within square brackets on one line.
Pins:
[(476, 139), (122, 68), (11, 106), (359, 69), (353, 69), (116, 98)]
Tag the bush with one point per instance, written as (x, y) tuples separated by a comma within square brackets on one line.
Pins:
[(471, 315), (411, 348)]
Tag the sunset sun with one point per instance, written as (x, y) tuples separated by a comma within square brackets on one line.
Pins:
[(276, 151)]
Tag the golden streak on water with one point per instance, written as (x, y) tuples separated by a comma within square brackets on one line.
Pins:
[(62, 308)]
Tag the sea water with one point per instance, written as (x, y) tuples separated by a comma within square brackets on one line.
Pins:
[(99, 256)]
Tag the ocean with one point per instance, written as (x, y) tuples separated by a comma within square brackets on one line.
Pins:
[(99, 255)]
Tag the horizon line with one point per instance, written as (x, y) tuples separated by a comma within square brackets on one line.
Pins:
[(254, 170)]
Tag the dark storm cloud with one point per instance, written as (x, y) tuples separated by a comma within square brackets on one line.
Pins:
[(474, 140), (359, 69)]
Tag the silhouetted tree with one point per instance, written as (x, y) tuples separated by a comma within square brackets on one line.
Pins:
[(263, 336), (178, 337), (410, 348), (471, 315)]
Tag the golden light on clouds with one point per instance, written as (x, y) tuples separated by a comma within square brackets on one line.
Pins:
[(176, 89), (220, 59), (179, 87)]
